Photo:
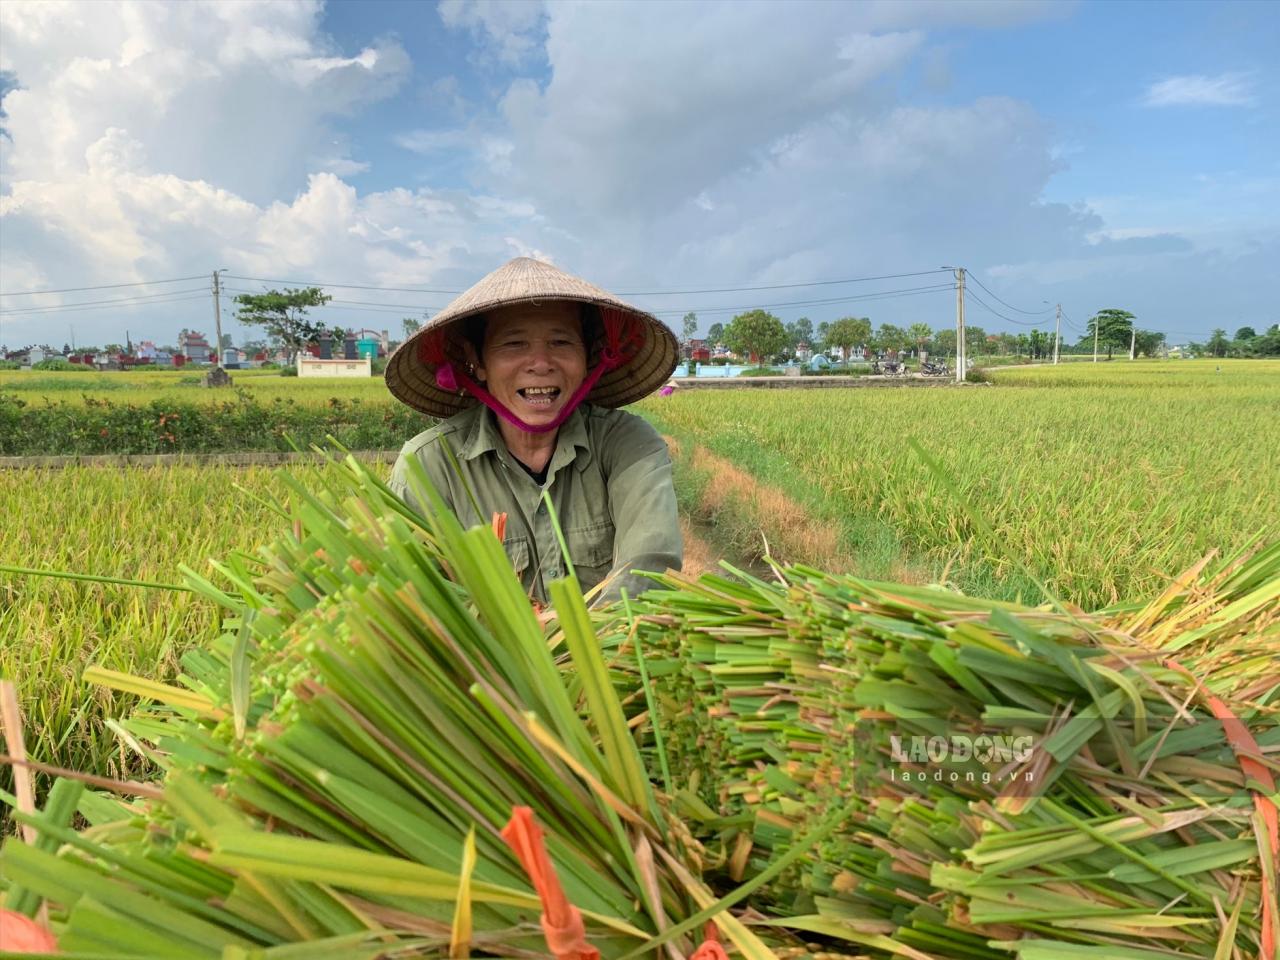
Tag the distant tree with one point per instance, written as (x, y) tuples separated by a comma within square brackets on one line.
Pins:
[(689, 328), (1037, 342), (1269, 342), (890, 337), (1218, 344), (975, 341), (1114, 328), (411, 326), (1147, 343), (253, 346), (1024, 344), (225, 343), (1247, 343), (822, 332), (284, 315), (798, 332), (113, 348), (66, 349), (919, 334), (756, 333), (715, 333), (944, 343), (848, 332)]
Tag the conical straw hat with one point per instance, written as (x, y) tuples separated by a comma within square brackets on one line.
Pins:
[(411, 378)]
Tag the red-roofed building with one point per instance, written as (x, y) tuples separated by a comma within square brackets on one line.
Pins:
[(194, 346)]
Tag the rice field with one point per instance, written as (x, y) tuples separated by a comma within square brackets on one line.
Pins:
[(1101, 479), (132, 523), (143, 386)]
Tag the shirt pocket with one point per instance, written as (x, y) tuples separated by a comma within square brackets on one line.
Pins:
[(591, 549), (517, 549)]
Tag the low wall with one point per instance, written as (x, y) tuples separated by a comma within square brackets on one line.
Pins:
[(312, 367)]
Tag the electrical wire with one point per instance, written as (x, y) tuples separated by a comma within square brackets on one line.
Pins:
[(779, 286), (339, 286), (1030, 313), (102, 305), (624, 293), (355, 302), (969, 294), (104, 286), (84, 303), (880, 295), (379, 307)]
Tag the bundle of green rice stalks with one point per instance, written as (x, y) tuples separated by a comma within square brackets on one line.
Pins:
[(1038, 782), (340, 764), (340, 767)]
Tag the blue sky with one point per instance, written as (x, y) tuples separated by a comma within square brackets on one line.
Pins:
[(1093, 154)]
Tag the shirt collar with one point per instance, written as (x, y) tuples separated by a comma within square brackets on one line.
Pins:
[(483, 435)]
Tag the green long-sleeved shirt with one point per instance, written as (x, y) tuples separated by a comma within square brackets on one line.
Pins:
[(610, 484)]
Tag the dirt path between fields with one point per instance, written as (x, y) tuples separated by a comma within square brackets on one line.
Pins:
[(743, 520)]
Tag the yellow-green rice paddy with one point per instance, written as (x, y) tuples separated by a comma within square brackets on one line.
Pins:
[(1103, 480)]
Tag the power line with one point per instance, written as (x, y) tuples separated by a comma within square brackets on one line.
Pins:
[(624, 293), (12, 317), (395, 307), (340, 286), (980, 301), (174, 297), (880, 295), (1030, 313), (776, 286), (374, 306), (84, 303), (105, 286), (353, 286)]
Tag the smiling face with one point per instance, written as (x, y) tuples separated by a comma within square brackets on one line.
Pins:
[(533, 358)]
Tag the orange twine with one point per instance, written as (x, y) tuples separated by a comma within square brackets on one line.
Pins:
[(20, 934), (561, 921), (1243, 744), (711, 948)]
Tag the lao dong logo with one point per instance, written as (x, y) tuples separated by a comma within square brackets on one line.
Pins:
[(1005, 753)]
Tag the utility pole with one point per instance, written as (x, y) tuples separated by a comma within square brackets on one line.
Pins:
[(217, 322), (1096, 324), (1133, 339), (1057, 326), (960, 347)]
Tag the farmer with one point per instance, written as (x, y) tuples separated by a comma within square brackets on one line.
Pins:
[(528, 368)]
